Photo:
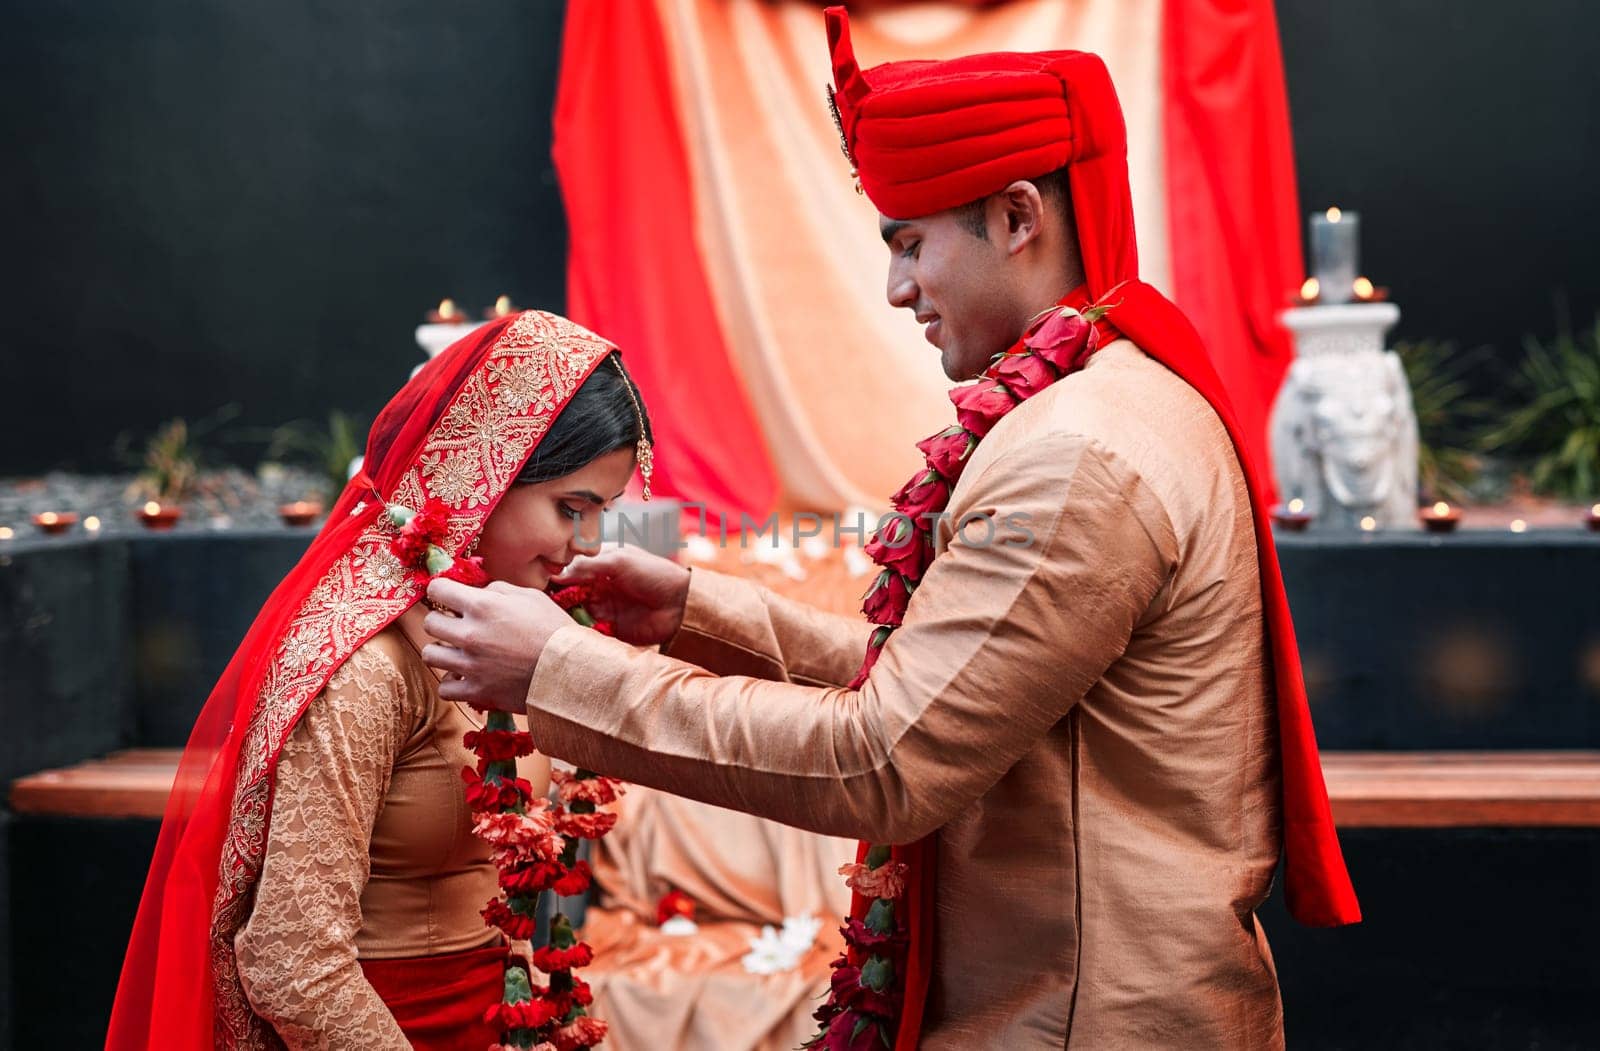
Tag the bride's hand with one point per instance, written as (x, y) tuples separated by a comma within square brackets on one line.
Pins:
[(643, 596)]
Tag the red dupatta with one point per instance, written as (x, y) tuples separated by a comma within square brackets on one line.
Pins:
[(460, 431)]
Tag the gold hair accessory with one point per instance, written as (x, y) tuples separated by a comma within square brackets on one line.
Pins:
[(642, 451), (844, 140)]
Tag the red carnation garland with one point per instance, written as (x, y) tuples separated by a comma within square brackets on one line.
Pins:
[(534, 841), (867, 992)]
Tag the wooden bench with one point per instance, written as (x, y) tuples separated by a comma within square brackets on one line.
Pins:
[(1369, 789), (1463, 789), (134, 783)]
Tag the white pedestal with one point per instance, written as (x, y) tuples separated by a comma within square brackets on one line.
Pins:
[(1344, 435), (433, 338)]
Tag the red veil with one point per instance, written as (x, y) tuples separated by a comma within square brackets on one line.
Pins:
[(461, 431)]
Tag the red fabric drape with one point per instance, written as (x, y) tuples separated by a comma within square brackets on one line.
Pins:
[(634, 269), (1231, 199)]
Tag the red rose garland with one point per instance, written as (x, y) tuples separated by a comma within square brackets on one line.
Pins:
[(864, 1001), (534, 842)]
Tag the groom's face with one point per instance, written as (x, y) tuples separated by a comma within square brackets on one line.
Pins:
[(949, 271)]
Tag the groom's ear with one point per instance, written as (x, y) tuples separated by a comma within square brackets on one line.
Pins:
[(1022, 209)]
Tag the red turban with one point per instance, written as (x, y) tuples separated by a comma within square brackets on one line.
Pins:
[(927, 136)]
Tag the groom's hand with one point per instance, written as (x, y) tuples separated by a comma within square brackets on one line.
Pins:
[(641, 594), (490, 649)]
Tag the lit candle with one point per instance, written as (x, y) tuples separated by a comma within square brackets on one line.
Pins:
[(1592, 519), (156, 515), (1440, 518), (1292, 516), (1367, 292), (1518, 526), (1334, 253), (299, 513), (501, 308), (447, 314), (91, 524), (1310, 290), (1368, 524), (53, 523), (6, 533)]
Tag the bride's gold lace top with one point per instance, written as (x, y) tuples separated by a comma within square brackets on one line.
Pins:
[(370, 853)]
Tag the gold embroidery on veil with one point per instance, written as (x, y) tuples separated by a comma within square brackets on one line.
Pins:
[(475, 450)]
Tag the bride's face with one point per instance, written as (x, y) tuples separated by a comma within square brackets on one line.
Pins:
[(537, 529)]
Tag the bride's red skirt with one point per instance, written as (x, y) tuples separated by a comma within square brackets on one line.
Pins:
[(439, 1001)]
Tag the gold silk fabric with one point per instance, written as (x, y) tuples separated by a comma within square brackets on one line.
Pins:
[(370, 854), (664, 992), (796, 267), (1085, 720)]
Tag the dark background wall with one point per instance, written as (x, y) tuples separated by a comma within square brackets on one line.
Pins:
[(1467, 135), (206, 203)]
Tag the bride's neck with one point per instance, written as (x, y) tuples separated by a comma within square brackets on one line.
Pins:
[(410, 625)]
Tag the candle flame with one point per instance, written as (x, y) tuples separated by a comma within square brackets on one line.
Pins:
[(92, 524), (502, 306), (1518, 526), (49, 518), (1368, 524), (6, 533), (1296, 505), (152, 508), (1362, 288), (1441, 509), (1595, 510), (447, 308), (1334, 215), (1311, 289)]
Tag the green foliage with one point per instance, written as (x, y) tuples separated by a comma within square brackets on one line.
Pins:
[(327, 450), (173, 456), (171, 463), (1555, 430), (1448, 417)]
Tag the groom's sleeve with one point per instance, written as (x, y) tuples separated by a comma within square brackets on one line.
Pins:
[(733, 626), (1000, 640)]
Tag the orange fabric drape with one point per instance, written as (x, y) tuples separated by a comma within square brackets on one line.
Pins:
[(746, 227), (842, 385), (632, 266)]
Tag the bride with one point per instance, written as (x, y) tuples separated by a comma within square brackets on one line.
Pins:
[(316, 882)]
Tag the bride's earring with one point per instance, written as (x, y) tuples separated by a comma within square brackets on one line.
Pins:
[(642, 451)]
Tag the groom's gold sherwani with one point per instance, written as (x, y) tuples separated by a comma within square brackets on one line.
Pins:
[(1085, 720)]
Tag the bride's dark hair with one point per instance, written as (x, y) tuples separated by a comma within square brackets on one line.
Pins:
[(604, 415)]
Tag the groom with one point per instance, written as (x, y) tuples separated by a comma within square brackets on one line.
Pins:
[(1103, 730)]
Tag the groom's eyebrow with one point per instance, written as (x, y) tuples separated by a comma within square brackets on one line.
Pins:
[(890, 229)]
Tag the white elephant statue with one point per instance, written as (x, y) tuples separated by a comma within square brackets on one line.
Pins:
[(1344, 439)]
